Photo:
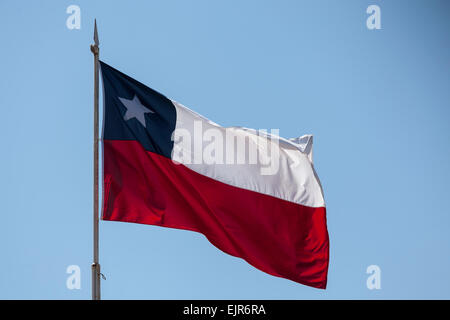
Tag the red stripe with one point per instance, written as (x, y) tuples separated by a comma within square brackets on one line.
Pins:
[(276, 236)]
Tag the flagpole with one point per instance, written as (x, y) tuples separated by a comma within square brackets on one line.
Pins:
[(95, 264)]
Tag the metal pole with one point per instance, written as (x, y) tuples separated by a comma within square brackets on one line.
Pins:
[(95, 265)]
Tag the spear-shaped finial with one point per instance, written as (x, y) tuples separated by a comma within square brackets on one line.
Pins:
[(95, 33), (94, 47)]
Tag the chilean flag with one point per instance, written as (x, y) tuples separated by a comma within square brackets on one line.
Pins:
[(253, 194)]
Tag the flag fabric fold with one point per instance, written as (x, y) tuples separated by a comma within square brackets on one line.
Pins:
[(253, 194)]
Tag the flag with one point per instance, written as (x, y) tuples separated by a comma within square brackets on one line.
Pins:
[(253, 194)]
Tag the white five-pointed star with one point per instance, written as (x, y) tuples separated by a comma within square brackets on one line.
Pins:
[(135, 109)]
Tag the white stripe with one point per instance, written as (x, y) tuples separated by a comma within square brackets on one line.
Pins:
[(291, 177)]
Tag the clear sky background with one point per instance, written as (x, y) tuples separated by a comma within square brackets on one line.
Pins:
[(376, 101)]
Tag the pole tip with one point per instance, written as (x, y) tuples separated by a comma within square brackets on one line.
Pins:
[(95, 33)]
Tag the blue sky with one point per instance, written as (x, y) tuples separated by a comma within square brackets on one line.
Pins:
[(377, 102)]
